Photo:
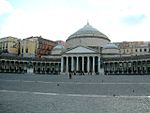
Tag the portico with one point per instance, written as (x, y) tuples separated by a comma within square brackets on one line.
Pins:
[(85, 64), (81, 60)]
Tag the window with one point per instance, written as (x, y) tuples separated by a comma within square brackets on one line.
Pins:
[(6, 45), (140, 50), (26, 50), (145, 50), (135, 50)]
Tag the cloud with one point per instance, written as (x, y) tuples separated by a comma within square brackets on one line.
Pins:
[(5, 7), (57, 20), (134, 19)]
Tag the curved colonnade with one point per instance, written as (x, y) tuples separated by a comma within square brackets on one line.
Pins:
[(21, 66), (120, 66)]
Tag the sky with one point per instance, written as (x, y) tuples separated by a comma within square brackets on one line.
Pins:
[(120, 20)]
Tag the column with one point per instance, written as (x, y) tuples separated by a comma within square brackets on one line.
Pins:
[(83, 64), (93, 65), (146, 67), (88, 62), (67, 64), (123, 67), (77, 64), (62, 64), (132, 68), (115, 67), (99, 64), (127, 67), (72, 64)]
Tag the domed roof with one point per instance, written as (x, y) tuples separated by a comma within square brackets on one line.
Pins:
[(110, 46), (59, 46), (87, 31)]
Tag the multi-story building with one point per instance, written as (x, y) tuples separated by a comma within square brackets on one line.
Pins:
[(36, 46), (10, 46), (133, 48), (44, 46), (29, 47)]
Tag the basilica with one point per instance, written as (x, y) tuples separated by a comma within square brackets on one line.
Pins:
[(84, 49), (85, 52)]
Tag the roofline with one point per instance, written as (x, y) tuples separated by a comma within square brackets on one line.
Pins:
[(89, 37), (79, 46), (9, 37)]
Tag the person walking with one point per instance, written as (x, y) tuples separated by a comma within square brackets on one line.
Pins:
[(70, 75)]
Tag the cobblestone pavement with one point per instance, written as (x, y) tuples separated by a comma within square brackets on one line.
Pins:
[(82, 94)]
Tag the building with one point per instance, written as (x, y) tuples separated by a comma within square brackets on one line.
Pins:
[(29, 47), (36, 46), (87, 51), (134, 48), (84, 50), (45, 46), (10, 46)]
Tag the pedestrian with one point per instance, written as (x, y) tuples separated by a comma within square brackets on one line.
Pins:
[(133, 90), (70, 75)]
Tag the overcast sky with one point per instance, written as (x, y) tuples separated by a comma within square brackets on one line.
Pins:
[(120, 20)]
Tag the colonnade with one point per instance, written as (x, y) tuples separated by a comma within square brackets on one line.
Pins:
[(135, 67), (47, 68), (38, 67), (80, 64), (13, 66)]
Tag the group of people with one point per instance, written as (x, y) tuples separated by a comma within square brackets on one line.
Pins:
[(75, 73)]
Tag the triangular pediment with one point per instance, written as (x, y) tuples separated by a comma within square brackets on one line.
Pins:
[(80, 49)]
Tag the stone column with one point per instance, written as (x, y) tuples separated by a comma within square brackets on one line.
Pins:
[(127, 65), (77, 63), (88, 62), (83, 64), (66, 64), (132, 68), (72, 64), (62, 64), (99, 64), (114, 68), (146, 67), (93, 64), (118, 67)]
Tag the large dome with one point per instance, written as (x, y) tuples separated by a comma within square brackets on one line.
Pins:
[(87, 36), (87, 31)]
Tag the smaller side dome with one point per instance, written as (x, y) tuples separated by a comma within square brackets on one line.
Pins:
[(110, 50), (58, 49), (110, 46), (59, 46)]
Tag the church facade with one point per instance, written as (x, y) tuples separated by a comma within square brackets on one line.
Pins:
[(83, 51)]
